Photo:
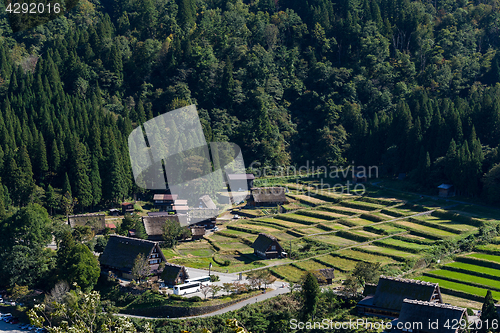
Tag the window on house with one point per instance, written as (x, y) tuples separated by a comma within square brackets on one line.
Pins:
[(273, 248)]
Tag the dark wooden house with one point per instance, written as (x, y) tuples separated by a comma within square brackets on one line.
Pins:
[(174, 274), (121, 252), (498, 310), (127, 208), (446, 190), (154, 225), (418, 315), (391, 292), (164, 202), (327, 275), (267, 196), (268, 247), (359, 175), (97, 222), (197, 232), (238, 181)]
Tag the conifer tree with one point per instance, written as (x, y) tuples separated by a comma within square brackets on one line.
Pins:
[(66, 185), (95, 180), (80, 172)]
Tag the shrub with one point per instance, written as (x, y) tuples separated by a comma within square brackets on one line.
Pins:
[(137, 208), (227, 262), (214, 278), (194, 299)]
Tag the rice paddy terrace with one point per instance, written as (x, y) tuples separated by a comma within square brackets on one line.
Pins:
[(324, 229)]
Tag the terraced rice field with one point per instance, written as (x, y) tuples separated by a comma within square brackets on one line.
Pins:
[(293, 217), (392, 253), (384, 229), (474, 269), (343, 264), (310, 265), (333, 211), (488, 257), (420, 230), (401, 245), (360, 221), (319, 214), (490, 248), (445, 284), (460, 227), (335, 240), (292, 273), (307, 199), (473, 280), (369, 257)]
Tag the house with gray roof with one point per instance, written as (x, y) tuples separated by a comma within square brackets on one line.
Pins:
[(97, 222), (154, 225), (267, 196), (121, 252), (428, 317), (267, 247), (391, 292), (327, 275)]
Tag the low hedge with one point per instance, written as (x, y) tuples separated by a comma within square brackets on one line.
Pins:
[(415, 240), (346, 222), (378, 201), (397, 247), (267, 223), (468, 283), (294, 233), (294, 219), (214, 244), (316, 214), (352, 236)]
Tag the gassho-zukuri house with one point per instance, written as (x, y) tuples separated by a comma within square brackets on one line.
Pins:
[(428, 317), (390, 293), (121, 252), (268, 247)]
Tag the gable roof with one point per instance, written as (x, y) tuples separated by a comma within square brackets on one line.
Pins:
[(269, 194), (445, 186), (154, 224), (88, 219), (263, 242), (208, 202), (171, 272), (413, 311), (328, 273), (240, 176), (121, 251), (392, 291), (167, 197)]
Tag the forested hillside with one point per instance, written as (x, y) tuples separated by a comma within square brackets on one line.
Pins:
[(409, 85)]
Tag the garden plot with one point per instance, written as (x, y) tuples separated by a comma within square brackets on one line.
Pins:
[(195, 249), (313, 230), (361, 206), (334, 225), (258, 228), (417, 239), (342, 264), (401, 245), (425, 231), (346, 211), (251, 237), (310, 265), (358, 235), (288, 272), (364, 256), (392, 253), (359, 221)]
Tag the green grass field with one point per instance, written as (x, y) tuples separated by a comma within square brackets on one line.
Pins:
[(335, 240), (490, 248)]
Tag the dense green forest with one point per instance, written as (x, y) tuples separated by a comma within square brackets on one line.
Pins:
[(411, 86)]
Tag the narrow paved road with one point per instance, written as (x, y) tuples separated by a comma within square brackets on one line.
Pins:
[(279, 290)]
